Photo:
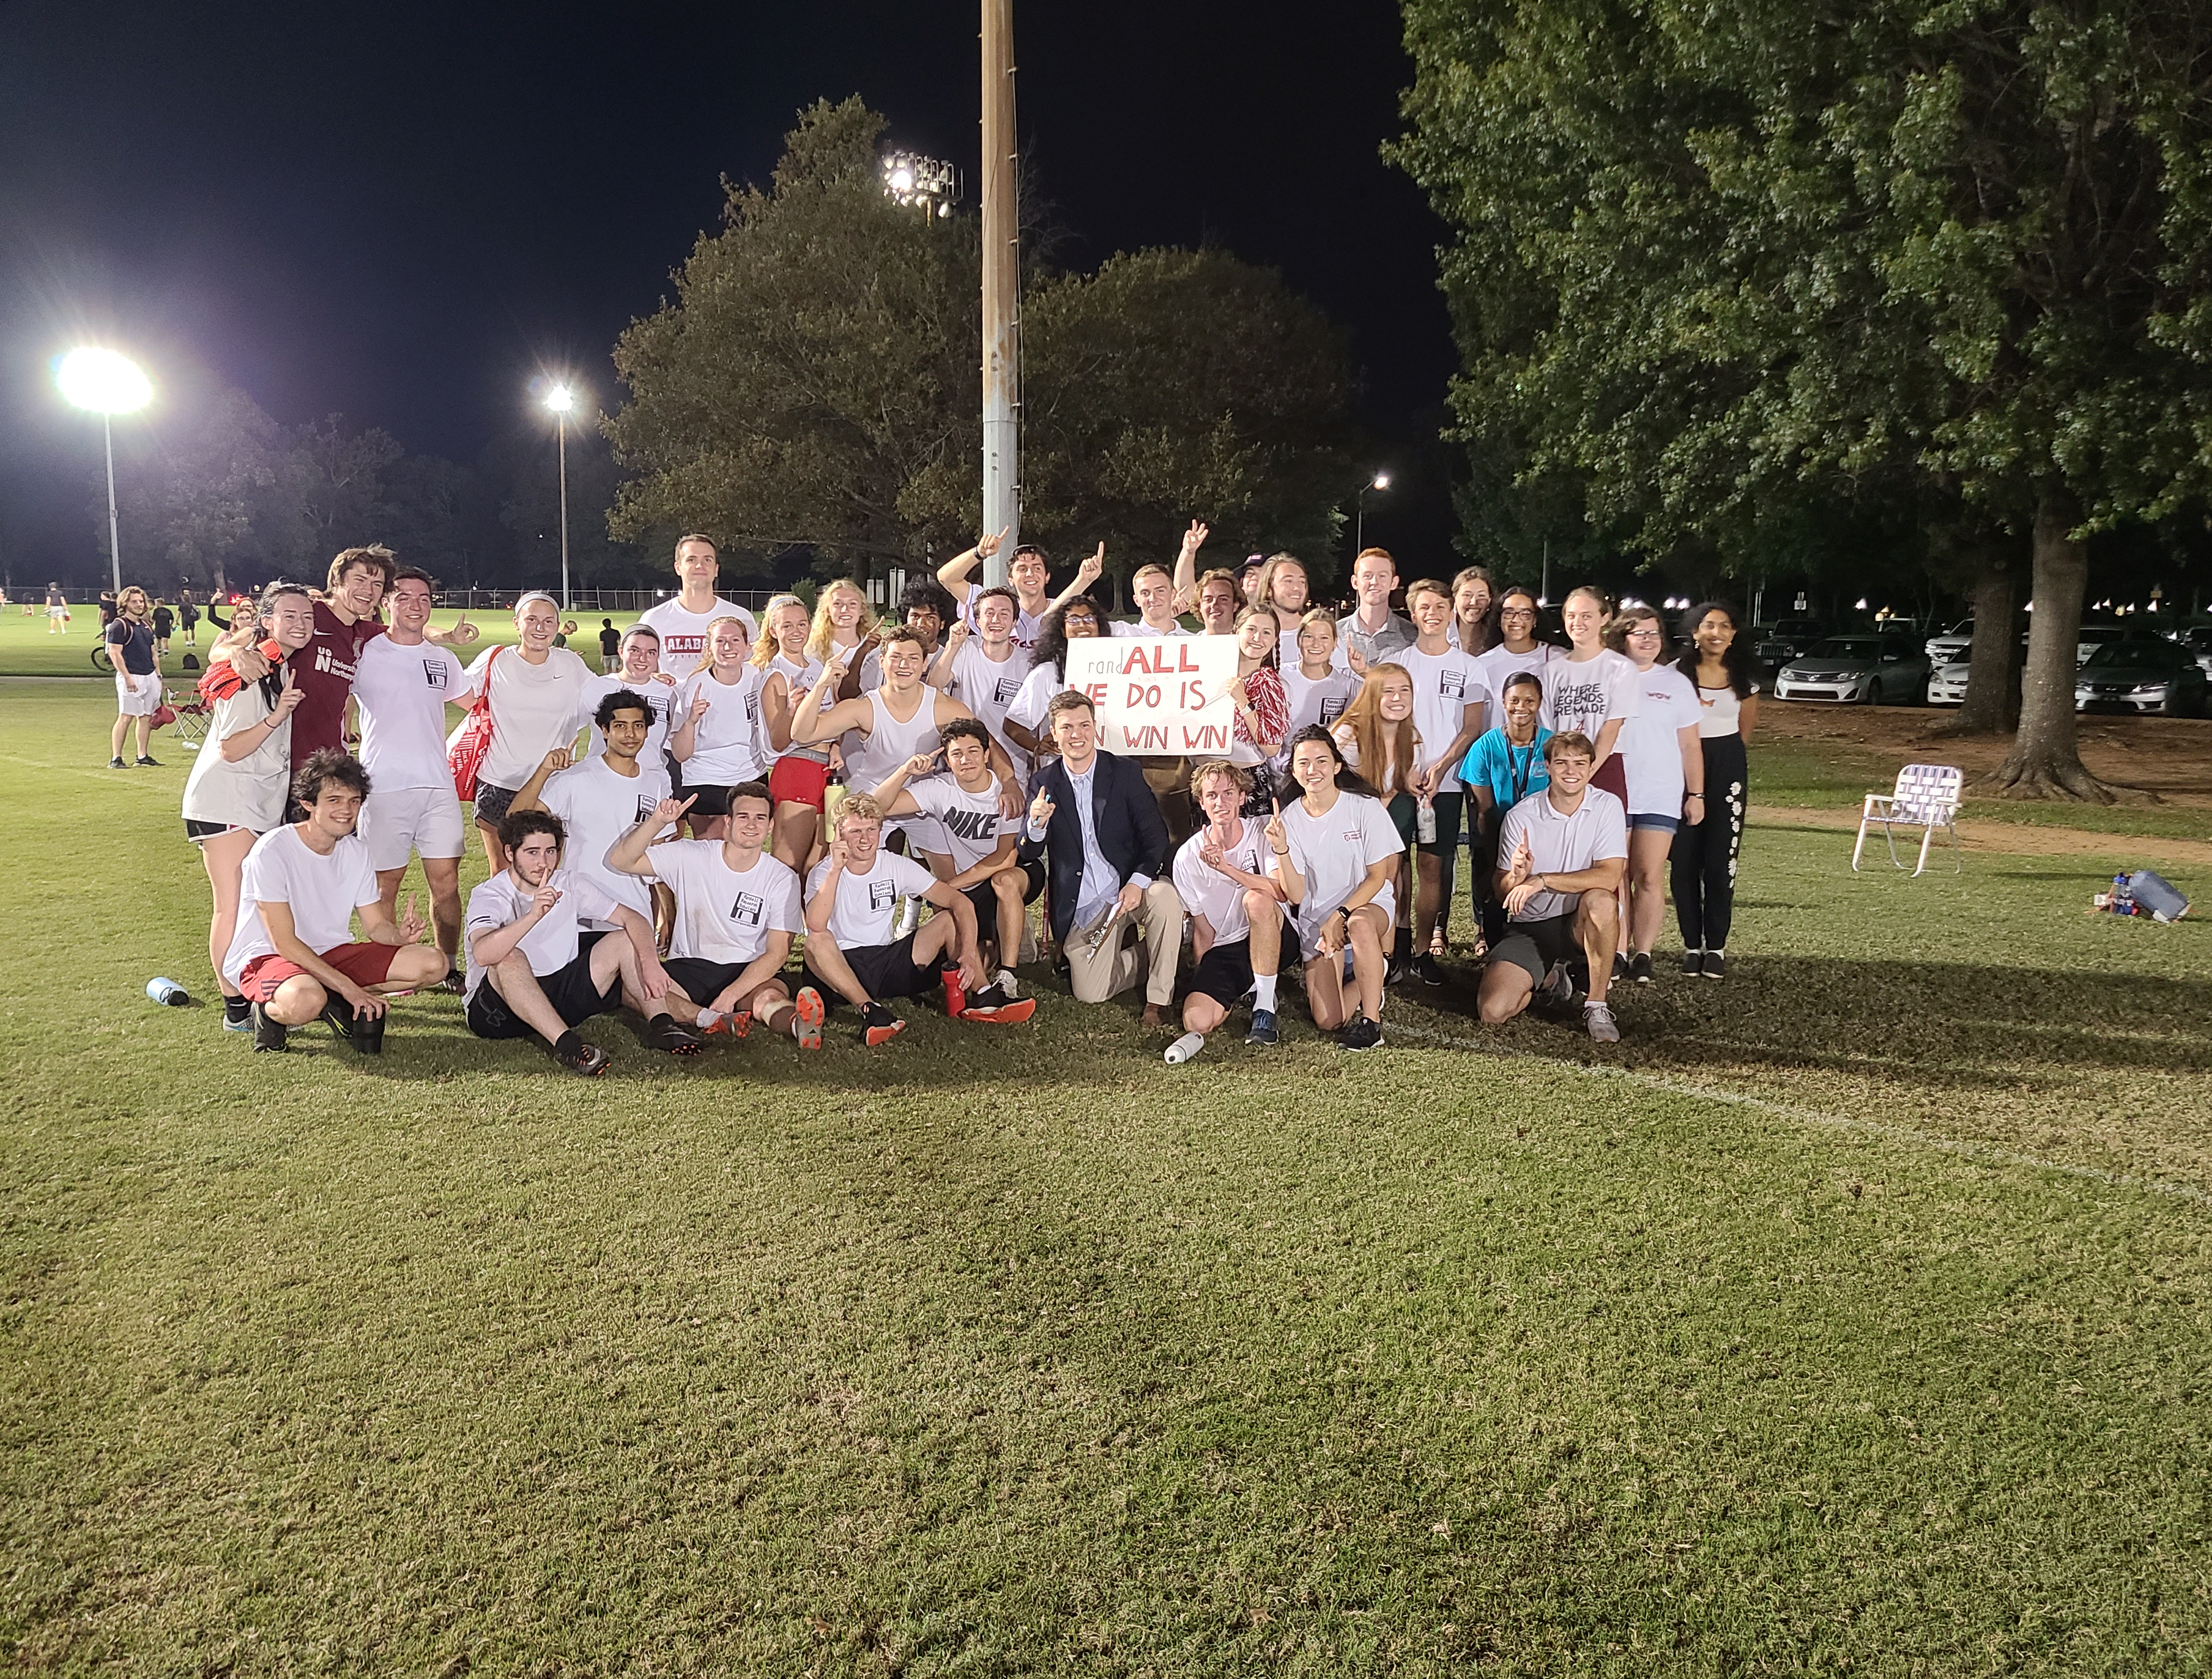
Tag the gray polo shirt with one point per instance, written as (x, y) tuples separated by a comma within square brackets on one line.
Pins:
[(1396, 635)]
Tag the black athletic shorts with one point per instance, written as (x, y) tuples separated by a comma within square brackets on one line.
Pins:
[(884, 970), (1533, 946), (1223, 973), (707, 803), (703, 980), (493, 803), (570, 989), (986, 901)]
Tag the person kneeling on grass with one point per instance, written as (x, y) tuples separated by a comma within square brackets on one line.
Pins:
[(736, 909), (298, 893), (852, 903), (1336, 852), (1561, 853), (979, 860), (1236, 912), (532, 968)]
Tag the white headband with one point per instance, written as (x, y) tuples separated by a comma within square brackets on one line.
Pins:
[(536, 594)]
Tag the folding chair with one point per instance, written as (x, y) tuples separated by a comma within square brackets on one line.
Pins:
[(1926, 797)]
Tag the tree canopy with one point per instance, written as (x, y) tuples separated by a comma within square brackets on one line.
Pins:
[(1710, 262), (814, 380)]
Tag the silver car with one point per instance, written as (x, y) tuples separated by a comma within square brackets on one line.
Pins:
[(1946, 682), (1856, 669)]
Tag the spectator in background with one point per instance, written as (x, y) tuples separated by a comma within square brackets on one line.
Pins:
[(610, 647), (57, 611), (164, 621), (188, 616), (130, 639)]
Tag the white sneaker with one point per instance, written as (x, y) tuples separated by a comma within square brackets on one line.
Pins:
[(908, 920), (1558, 985), (1598, 1017), (1008, 984), (1183, 1048)]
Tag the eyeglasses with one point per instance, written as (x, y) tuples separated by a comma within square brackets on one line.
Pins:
[(1516, 612)]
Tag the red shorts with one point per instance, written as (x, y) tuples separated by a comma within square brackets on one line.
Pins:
[(1612, 776), (364, 964), (796, 780)]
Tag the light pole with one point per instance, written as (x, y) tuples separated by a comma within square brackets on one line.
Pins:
[(1002, 299), (107, 385), (560, 399), (1381, 480)]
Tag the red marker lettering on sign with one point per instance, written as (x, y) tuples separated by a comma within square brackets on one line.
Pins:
[(1139, 694), (1194, 696), (1096, 693)]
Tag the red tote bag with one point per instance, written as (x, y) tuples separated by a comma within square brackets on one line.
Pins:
[(466, 750)]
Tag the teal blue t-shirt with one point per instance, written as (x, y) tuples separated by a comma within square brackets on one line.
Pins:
[(1511, 772)]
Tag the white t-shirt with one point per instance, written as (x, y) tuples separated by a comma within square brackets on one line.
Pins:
[(321, 892), (1588, 695), (1028, 626), (533, 709), (402, 694), (1206, 892), (722, 914), (1720, 712), (549, 946), (861, 919), (1445, 685), (598, 806), (1562, 845), (660, 697), (1650, 749), (249, 793), (989, 690), (1499, 662), (1139, 627), (683, 634), (969, 823), (1334, 853), (1317, 702), (1042, 681), (731, 745), (799, 681)]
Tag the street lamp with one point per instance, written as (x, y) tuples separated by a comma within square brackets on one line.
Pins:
[(107, 385), (560, 399), (1381, 480)]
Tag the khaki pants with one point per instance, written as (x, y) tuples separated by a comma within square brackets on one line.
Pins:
[(1113, 968), (1170, 780)]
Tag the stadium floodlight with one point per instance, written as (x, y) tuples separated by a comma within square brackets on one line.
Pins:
[(107, 384), (918, 182)]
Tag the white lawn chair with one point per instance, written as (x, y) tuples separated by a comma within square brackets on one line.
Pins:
[(1926, 797)]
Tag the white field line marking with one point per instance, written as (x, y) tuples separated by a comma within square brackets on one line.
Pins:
[(1987, 1154)]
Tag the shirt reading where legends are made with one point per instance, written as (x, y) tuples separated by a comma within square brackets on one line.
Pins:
[(1158, 696)]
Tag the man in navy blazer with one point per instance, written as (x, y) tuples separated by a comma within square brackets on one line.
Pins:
[(1098, 825)]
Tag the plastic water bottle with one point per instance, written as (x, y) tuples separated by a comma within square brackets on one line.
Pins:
[(168, 993), (2124, 897), (1424, 823)]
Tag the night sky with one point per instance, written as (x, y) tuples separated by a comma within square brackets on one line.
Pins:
[(402, 212)]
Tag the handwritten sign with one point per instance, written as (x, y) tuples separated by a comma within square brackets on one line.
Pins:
[(1158, 695)]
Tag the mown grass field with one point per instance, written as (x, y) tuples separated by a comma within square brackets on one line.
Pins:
[(1850, 1316)]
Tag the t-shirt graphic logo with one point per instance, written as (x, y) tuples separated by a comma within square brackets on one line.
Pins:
[(1452, 684), (747, 911), (882, 895), (1332, 708), (433, 672), (1003, 691), (646, 804), (972, 824)]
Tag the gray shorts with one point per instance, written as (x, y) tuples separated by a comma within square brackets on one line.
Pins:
[(1533, 946)]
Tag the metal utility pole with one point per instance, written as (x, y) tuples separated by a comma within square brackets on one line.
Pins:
[(114, 543), (1002, 396), (561, 428)]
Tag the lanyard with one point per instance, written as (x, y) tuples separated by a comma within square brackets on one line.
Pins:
[(1519, 764)]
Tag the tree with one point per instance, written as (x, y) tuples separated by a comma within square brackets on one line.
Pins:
[(1708, 258), (1179, 381), (190, 503), (815, 381)]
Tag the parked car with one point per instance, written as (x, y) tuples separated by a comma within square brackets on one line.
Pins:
[(1953, 641), (1864, 670), (1946, 682), (2197, 640), (2152, 674), (1777, 643), (2093, 636)]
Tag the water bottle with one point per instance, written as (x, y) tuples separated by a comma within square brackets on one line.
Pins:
[(2124, 897), (168, 993), (1424, 823)]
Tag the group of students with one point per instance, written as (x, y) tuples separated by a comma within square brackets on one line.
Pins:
[(814, 771)]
